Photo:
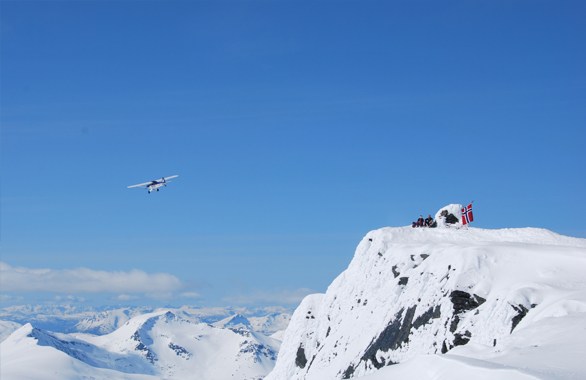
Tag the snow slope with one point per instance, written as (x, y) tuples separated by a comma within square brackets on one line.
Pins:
[(507, 303), (162, 344), (30, 353)]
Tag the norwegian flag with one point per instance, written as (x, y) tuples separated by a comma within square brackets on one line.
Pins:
[(467, 216)]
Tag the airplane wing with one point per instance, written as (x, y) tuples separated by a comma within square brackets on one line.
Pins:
[(140, 184), (173, 176)]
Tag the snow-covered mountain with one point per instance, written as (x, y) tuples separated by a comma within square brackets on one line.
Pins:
[(106, 321), (448, 303), (272, 324), (70, 318), (162, 344), (99, 321), (236, 322)]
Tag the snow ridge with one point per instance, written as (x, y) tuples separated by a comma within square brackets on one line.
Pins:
[(427, 291)]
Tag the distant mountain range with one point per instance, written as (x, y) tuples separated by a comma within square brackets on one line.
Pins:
[(99, 321), (162, 344)]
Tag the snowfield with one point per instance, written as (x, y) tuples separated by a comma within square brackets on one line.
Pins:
[(446, 303)]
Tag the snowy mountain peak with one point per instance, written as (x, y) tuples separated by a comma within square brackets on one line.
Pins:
[(236, 322), (416, 291)]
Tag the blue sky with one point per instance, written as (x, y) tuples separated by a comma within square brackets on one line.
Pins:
[(296, 127)]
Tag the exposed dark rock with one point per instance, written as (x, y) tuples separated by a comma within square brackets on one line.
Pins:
[(464, 301), (180, 351), (141, 346), (521, 313), (462, 339), (348, 372), (240, 331), (300, 359), (454, 324), (424, 256), (328, 332), (403, 280), (392, 337), (258, 351), (396, 273), (444, 347), (311, 362), (431, 313), (451, 219)]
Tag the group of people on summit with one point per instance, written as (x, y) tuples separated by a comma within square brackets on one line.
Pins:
[(427, 222), (447, 217)]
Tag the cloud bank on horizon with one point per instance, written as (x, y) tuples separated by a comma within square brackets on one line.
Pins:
[(123, 286), (276, 297), (85, 280)]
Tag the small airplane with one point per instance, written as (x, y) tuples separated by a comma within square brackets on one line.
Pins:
[(155, 184)]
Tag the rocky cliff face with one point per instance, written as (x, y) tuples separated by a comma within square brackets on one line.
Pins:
[(414, 291)]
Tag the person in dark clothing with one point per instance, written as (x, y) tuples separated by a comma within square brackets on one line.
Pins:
[(420, 221), (428, 221)]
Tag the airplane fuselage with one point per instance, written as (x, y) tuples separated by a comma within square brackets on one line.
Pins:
[(155, 185)]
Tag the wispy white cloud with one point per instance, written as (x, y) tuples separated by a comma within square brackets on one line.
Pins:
[(84, 280), (69, 298), (9, 298), (190, 295), (276, 297), (125, 297)]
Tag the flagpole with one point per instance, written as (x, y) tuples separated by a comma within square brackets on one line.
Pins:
[(471, 203)]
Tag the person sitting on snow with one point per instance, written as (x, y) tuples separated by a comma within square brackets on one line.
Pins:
[(420, 221), (428, 221)]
